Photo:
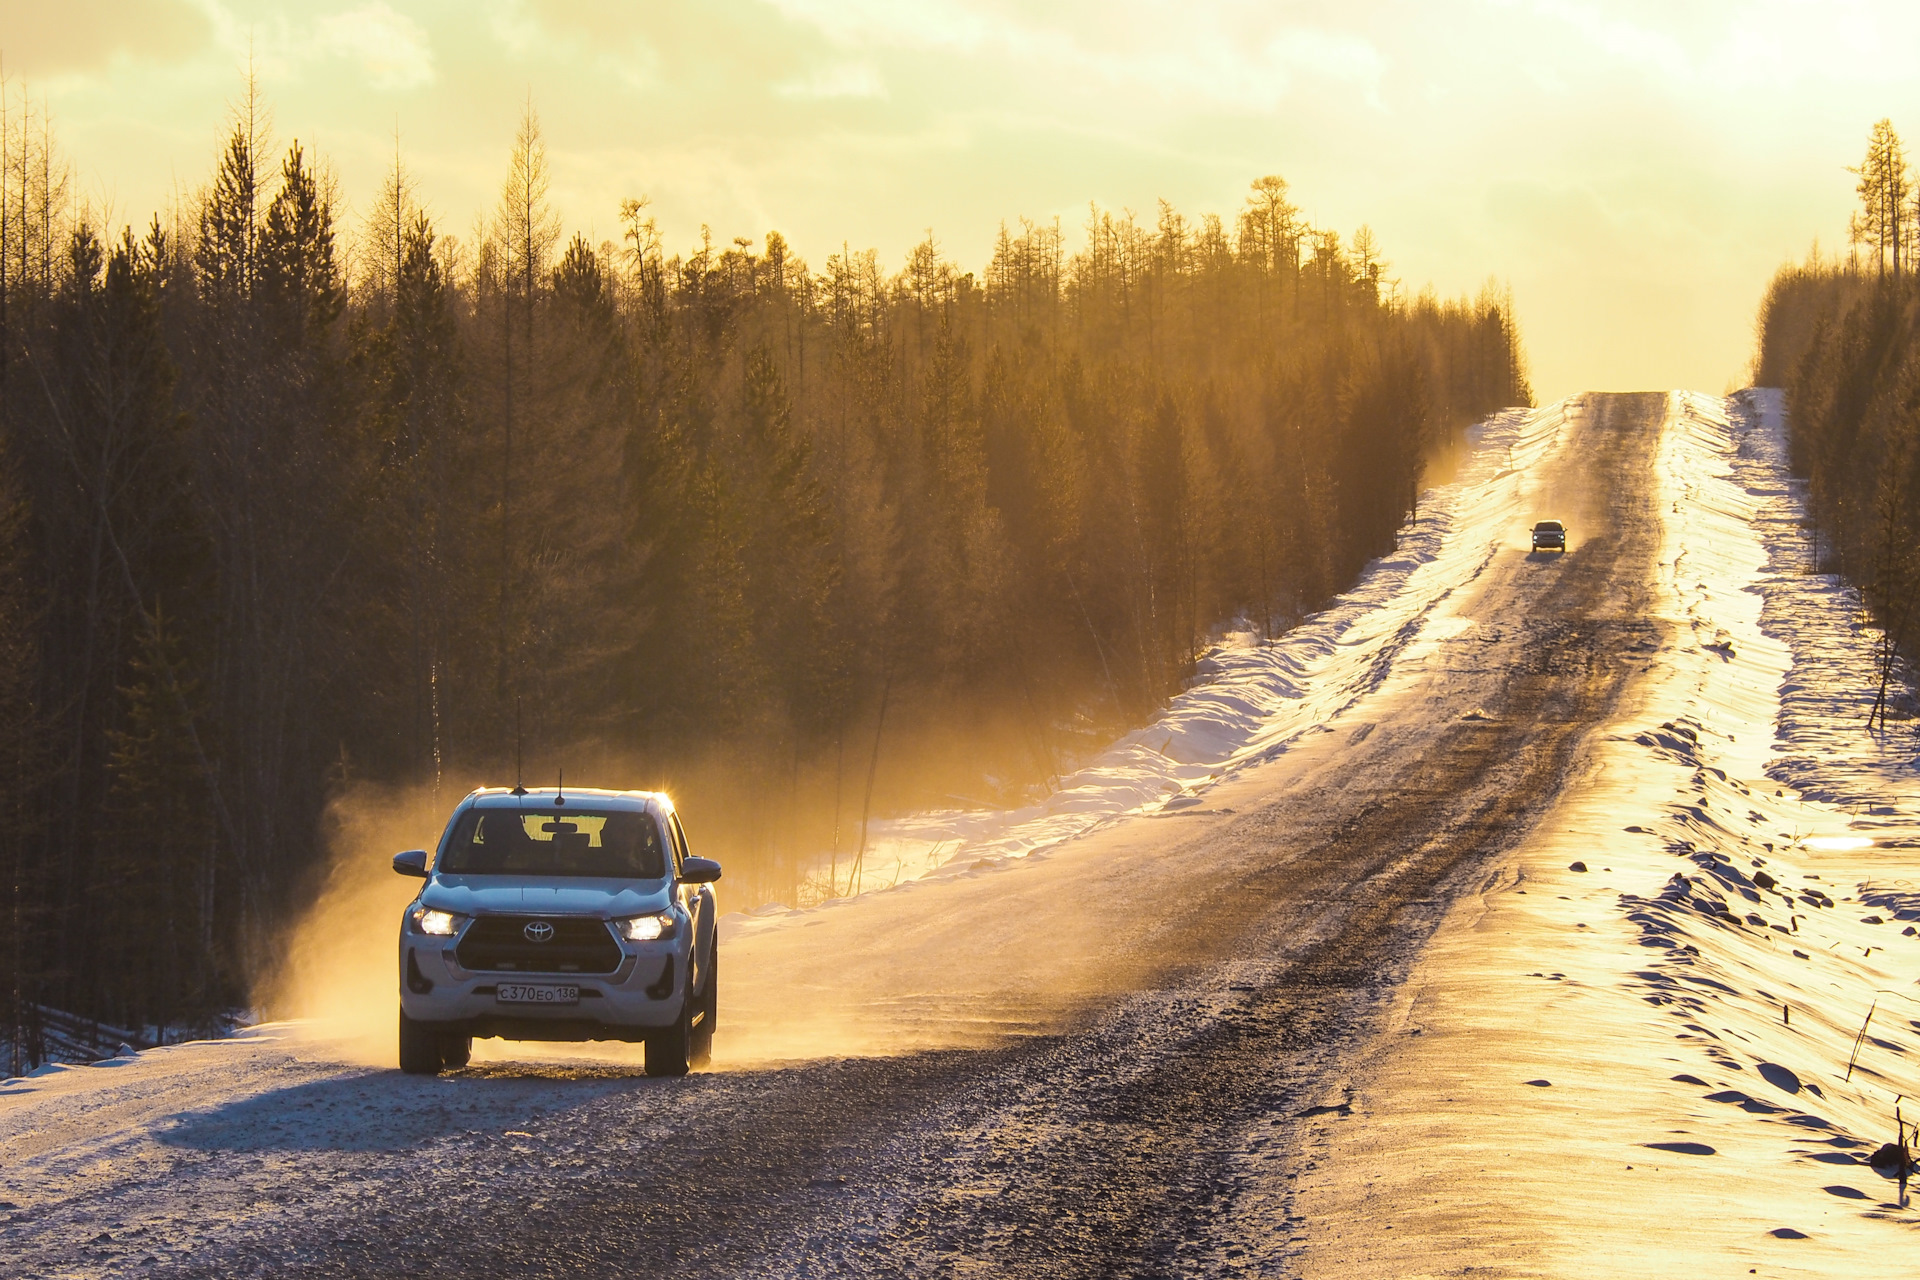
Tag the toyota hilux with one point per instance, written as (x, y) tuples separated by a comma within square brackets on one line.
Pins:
[(550, 915)]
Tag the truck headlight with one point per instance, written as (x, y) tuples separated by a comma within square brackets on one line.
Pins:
[(646, 928), (437, 924)]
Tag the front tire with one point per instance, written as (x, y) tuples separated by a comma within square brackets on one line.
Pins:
[(456, 1051), (708, 1009), (670, 1050), (419, 1048)]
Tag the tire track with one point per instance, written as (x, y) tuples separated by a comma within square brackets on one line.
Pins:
[(1148, 1137)]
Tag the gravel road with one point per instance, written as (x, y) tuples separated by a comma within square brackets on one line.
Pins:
[(1094, 1066)]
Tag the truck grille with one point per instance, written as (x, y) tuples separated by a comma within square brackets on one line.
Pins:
[(500, 944)]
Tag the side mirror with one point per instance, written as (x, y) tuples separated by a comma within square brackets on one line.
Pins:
[(414, 863), (699, 870)]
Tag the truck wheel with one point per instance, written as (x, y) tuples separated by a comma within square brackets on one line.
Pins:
[(670, 1049), (419, 1048), (456, 1051), (707, 1007)]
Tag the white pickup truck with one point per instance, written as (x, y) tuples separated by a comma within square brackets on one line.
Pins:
[(559, 916)]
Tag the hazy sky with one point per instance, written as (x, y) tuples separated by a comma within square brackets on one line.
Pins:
[(1633, 170)]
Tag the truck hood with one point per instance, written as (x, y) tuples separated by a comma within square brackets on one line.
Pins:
[(546, 896)]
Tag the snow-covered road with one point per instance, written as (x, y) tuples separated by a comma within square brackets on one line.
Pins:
[(1163, 1024), (1663, 1060)]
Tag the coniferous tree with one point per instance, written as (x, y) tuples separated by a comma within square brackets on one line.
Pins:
[(1886, 215), (810, 546), (1845, 344)]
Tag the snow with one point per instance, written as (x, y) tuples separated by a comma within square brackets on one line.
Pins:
[(1590, 1072), (1648, 1061), (1256, 698)]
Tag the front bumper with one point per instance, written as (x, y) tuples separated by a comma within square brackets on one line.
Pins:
[(642, 995)]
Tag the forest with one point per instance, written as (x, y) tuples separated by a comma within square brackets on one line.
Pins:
[(1842, 336), (295, 498)]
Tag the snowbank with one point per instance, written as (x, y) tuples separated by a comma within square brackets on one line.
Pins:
[(1256, 697)]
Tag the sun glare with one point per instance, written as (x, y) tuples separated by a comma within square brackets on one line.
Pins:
[(1838, 844)]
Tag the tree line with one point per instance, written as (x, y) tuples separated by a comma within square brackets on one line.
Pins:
[(1842, 336), (291, 499)]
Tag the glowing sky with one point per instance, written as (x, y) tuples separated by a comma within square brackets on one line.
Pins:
[(1634, 170)]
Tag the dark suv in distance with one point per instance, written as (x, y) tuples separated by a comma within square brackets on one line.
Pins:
[(1549, 535), (559, 916)]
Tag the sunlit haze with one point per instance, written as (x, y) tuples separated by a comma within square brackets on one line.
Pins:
[(1633, 170)]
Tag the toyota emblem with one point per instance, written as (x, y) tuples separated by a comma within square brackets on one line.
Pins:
[(538, 931)]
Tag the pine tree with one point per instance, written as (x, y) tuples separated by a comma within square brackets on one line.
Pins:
[(760, 531), (1886, 194), (156, 890), (524, 230)]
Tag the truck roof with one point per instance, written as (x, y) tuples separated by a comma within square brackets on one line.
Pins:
[(572, 797)]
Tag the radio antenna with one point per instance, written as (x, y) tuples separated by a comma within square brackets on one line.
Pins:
[(518, 770), (560, 792)]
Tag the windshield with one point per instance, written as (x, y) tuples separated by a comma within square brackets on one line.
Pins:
[(530, 842)]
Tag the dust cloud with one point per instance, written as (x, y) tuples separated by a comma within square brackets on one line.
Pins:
[(841, 981), (339, 971), (934, 966)]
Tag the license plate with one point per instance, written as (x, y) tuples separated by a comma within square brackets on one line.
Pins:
[(522, 993)]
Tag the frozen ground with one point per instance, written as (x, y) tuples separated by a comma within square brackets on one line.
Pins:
[(1195, 1017), (1644, 1064)]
